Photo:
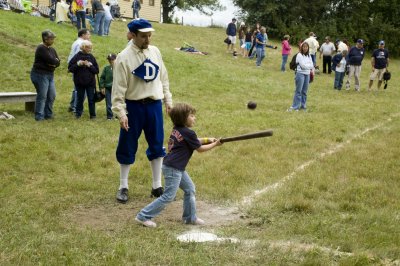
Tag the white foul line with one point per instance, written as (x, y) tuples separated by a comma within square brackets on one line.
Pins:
[(248, 200)]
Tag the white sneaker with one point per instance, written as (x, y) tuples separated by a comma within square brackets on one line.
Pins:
[(199, 221), (147, 223)]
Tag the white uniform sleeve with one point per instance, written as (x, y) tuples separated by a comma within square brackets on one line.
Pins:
[(119, 88)]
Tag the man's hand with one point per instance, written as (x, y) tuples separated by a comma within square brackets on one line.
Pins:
[(103, 91), (123, 122), (168, 108)]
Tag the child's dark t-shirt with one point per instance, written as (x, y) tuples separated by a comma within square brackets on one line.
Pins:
[(181, 144)]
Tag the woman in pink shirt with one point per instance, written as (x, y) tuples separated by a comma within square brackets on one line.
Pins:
[(285, 51)]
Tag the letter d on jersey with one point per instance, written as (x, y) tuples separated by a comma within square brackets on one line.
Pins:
[(148, 71)]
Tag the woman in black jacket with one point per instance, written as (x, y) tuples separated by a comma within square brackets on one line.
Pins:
[(84, 67), (42, 76)]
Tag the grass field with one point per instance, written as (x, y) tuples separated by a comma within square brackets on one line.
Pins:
[(328, 180)]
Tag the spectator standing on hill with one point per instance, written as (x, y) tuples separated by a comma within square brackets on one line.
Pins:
[(248, 41), (231, 32), (107, 19), (42, 76), (83, 34), (341, 46), (140, 84), (255, 31), (339, 66), (106, 80), (314, 45), (326, 51), (379, 63), (84, 67), (286, 49), (354, 60), (260, 46), (79, 9), (304, 66), (99, 17), (242, 34), (136, 8)]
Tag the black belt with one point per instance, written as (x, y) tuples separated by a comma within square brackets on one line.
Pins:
[(145, 101)]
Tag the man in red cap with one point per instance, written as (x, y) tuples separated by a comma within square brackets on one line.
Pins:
[(140, 86)]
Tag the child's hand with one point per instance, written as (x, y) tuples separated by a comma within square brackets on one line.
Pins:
[(211, 140), (218, 142)]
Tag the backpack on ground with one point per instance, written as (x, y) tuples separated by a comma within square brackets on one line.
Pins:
[(386, 77), (293, 64)]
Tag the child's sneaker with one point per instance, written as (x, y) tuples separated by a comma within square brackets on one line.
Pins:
[(147, 223), (199, 222)]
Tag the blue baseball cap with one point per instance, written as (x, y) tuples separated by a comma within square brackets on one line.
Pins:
[(360, 41), (381, 42), (140, 24)]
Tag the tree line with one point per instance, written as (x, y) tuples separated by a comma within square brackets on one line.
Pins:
[(371, 20)]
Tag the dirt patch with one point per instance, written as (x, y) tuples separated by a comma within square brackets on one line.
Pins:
[(110, 217)]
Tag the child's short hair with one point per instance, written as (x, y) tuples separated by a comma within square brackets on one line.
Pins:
[(111, 57), (180, 113)]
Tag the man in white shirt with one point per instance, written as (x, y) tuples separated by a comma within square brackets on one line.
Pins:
[(140, 85), (327, 49), (341, 46), (314, 45)]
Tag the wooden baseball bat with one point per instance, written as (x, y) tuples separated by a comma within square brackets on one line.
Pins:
[(261, 134)]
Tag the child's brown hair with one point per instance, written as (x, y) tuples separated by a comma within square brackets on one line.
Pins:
[(180, 112)]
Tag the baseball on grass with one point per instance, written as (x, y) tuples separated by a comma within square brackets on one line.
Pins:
[(251, 105)]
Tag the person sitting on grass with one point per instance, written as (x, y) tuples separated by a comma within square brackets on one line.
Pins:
[(182, 142)]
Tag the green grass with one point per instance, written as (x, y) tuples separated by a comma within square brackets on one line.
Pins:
[(58, 178)]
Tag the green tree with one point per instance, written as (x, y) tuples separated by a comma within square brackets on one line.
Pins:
[(204, 6), (371, 20)]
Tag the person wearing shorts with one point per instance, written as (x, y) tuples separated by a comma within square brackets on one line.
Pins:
[(379, 63), (231, 32)]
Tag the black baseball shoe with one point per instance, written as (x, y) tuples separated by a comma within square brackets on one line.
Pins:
[(156, 193), (122, 195)]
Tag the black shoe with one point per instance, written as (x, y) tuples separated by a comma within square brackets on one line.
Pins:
[(70, 109), (156, 193), (122, 195)]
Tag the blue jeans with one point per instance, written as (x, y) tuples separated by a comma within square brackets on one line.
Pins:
[(46, 94), (135, 13), (81, 19), (284, 60), (72, 103), (339, 76), (80, 93), (174, 179), (107, 24), (314, 59), (260, 52), (108, 103), (99, 23), (300, 93)]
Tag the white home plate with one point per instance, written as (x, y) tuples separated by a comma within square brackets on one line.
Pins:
[(203, 237)]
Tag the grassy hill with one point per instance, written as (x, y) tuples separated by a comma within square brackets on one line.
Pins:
[(328, 178)]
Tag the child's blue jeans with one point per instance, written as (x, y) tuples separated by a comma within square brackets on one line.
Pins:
[(174, 179), (339, 76)]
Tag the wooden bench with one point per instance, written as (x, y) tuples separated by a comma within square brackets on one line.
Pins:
[(29, 98)]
